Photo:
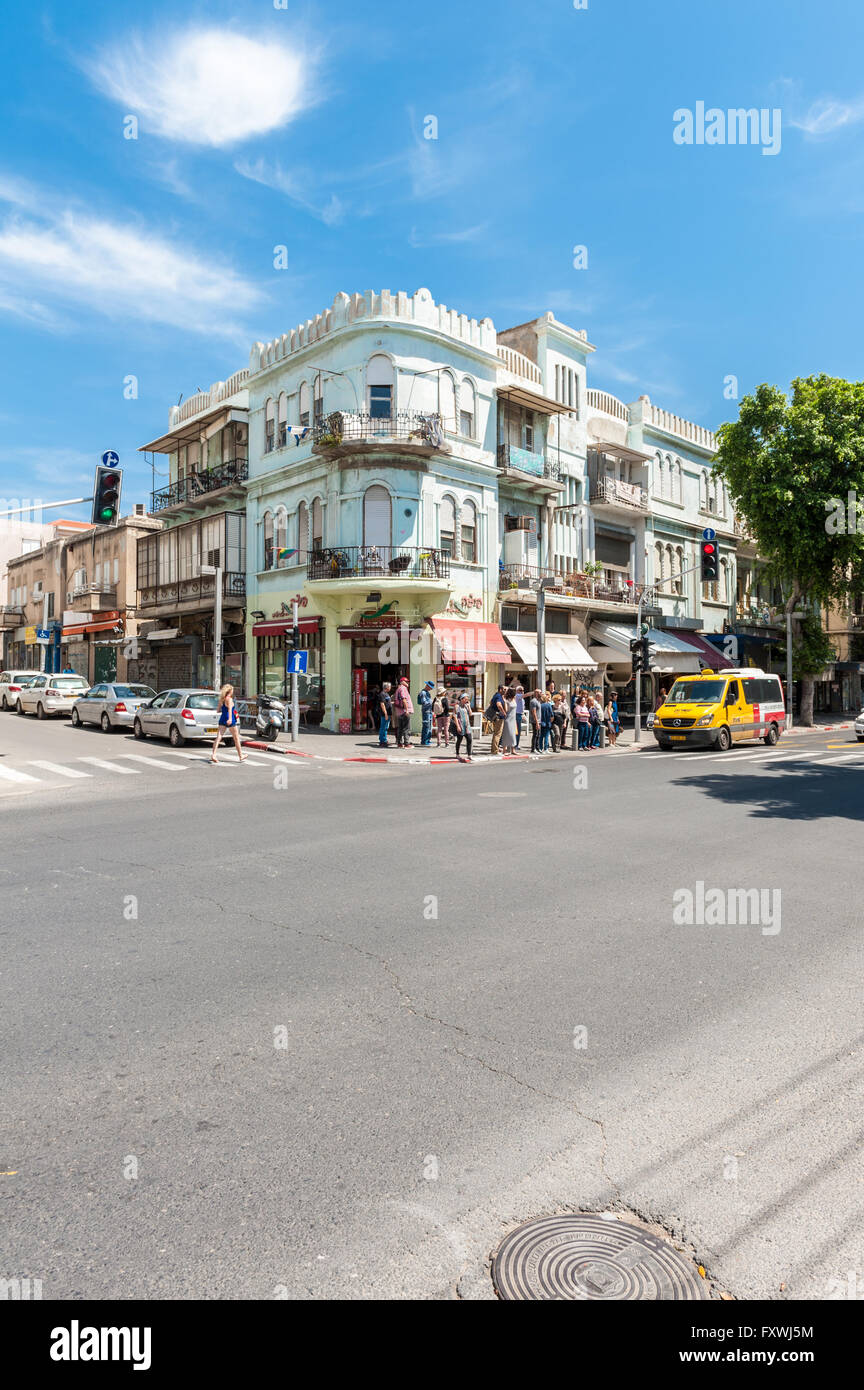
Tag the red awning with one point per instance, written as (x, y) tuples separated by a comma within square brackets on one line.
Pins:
[(90, 627), (470, 641), (284, 627), (712, 655)]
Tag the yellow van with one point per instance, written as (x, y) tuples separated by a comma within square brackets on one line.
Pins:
[(716, 709)]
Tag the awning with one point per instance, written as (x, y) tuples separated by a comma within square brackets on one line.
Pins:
[(679, 657), (564, 652), (80, 628), (163, 634), (284, 627), (469, 641), (713, 658), (533, 400)]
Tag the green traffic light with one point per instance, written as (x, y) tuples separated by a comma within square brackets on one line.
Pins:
[(106, 513)]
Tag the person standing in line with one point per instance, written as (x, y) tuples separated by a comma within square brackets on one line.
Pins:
[(495, 714), (463, 728), (546, 709), (611, 731), (520, 713), (441, 710), (509, 733), (385, 713), (404, 707), (373, 715), (593, 723), (425, 700), (559, 722), (583, 721), (227, 720), (534, 717)]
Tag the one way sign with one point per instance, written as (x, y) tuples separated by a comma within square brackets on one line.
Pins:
[(296, 663)]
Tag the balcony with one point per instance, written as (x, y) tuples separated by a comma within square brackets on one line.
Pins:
[(94, 598), (225, 478), (574, 585), (752, 614), (11, 615), (346, 432), (187, 595), (538, 471), (377, 562), (614, 492)]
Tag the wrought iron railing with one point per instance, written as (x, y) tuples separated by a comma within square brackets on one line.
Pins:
[(199, 484), (528, 461), (616, 492), (354, 426), (378, 562), (186, 590), (573, 584)]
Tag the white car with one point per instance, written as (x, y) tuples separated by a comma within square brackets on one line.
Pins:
[(45, 694), (859, 727), (10, 686), (112, 704)]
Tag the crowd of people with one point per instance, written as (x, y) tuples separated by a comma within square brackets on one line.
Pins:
[(513, 714)]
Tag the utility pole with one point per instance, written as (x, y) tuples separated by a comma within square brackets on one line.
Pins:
[(637, 731), (541, 631), (789, 617), (216, 570), (295, 686)]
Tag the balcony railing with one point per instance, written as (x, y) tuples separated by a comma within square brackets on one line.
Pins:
[(378, 562), (196, 485), (11, 615), (572, 584), (608, 404), (357, 426), (758, 614), (520, 365), (202, 589), (527, 461), (614, 492), (89, 590)]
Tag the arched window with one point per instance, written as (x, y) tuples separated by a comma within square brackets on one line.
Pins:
[(658, 561), (676, 482), (302, 532), (467, 408), (304, 404), (269, 425), (376, 516), (280, 537), (447, 526), (282, 433), (679, 569), (447, 401), (317, 529), (268, 540), (659, 480), (379, 387), (469, 533)]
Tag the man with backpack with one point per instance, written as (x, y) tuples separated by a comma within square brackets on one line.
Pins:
[(495, 714)]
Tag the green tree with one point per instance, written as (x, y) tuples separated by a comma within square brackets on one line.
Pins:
[(795, 471)]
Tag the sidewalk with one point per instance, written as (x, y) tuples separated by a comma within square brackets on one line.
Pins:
[(363, 747)]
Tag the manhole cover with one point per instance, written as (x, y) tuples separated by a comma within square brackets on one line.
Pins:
[(586, 1257)]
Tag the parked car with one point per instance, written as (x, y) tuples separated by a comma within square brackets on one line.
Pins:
[(859, 727), (10, 685), (178, 715), (44, 695), (112, 704)]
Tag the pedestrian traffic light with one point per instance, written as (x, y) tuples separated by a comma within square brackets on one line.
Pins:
[(106, 495), (708, 554)]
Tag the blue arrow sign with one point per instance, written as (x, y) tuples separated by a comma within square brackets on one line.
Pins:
[(709, 534), (297, 663), (110, 458)]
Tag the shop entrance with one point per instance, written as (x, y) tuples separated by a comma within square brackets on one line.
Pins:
[(105, 664), (368, 674)]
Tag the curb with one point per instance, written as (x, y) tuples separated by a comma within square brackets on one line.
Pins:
[(481, 758)]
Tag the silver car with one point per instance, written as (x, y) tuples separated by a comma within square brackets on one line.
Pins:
[(10, 686), (112, 704), (45, 695), (178, 715)]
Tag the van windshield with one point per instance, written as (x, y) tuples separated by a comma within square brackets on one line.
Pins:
[(695, 693)]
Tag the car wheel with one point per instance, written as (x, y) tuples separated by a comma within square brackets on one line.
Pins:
[(772, 736), (40, 711), (860, 738), (5, 704), (175, 738), (137, 730), (724, 739), (19, 708), (76, 718), (106, 723)]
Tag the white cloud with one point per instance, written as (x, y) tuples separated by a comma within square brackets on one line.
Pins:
[(73, 258), (454, 238), (297, 189), (207, 86), (826, 116)]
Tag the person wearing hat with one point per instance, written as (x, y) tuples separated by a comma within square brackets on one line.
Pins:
[(441, 713), (424, 700), (404, 707)]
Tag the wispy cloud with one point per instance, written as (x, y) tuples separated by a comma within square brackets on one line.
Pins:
[(208, 86), (72, 259), (328, 209), (461, 235), (25, 471), (827, 115)]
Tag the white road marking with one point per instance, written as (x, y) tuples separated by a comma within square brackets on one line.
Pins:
[(111, 767), (499, 795), (59, 768), (162, 763), (12, 774), (844, 758)]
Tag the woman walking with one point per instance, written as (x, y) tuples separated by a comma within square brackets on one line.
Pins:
[(463, 727), (227, 720), (510, 733)]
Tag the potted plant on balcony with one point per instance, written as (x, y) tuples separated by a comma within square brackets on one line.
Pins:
[(592, 569)]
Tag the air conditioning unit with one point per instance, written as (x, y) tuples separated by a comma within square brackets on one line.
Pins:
[(139, 509), (520, 523), (37, 589), (521, 549), (242, 434)]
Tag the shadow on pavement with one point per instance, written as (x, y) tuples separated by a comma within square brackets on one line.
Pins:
[(795, 791)]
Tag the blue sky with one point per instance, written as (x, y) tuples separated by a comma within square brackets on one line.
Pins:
[(304, 126)]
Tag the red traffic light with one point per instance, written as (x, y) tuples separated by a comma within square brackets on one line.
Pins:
[(707, 548)]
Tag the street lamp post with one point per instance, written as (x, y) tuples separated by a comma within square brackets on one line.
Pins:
[(789, 617), (217, 622), (541, 630)]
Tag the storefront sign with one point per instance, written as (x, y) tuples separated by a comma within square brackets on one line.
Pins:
[(30, 637), (461, 607), (285, 608)]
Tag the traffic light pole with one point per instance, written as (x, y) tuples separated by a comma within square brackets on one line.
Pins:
[(295, 686), (637, 732)]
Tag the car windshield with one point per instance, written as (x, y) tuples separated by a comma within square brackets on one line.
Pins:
[(695, 693), (202, 702), (134, 692), (68, 683)]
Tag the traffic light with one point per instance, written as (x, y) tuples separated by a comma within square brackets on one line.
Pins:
[(640, 654), (106, 495), (708, 556)]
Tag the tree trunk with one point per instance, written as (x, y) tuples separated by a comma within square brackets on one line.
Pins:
[(805, 714)]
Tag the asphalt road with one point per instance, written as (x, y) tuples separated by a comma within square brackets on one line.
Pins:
[(335, 1036)]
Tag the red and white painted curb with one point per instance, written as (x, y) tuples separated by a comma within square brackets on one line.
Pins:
[(404, 762)]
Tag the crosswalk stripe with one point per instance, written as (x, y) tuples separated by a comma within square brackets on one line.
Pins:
[(845, 758), (111, 767), (58, 768), (162, 763), (12, 774)]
